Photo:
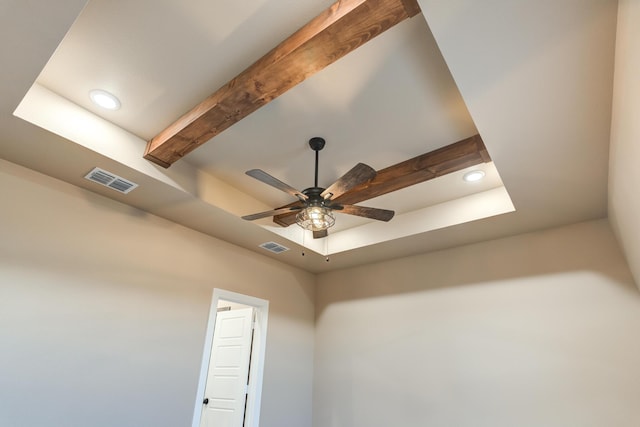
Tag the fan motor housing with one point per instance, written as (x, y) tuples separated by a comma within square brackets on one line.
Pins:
[(314, 195)]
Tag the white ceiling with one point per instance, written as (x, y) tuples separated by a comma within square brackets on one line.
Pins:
[(533, 78)]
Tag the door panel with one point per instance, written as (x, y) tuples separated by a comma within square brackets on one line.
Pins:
[(228, 369)]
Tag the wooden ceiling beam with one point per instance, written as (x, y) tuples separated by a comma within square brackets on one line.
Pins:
[(451, 158), (340, 29)]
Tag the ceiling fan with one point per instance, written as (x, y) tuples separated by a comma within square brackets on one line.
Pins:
[(315, 204)]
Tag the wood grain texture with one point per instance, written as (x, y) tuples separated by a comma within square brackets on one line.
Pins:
[(340, 29), (359, 174), (451, 158), (367, 212), (294, 208), (320, 234), (262, 176)]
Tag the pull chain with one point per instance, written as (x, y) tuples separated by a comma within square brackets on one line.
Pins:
[(326, 248)]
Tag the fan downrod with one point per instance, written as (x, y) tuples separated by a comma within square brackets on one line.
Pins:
[(316, 143)]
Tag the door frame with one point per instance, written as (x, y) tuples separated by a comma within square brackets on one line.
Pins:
[(256, 366)]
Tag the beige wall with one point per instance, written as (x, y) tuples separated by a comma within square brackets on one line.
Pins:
[(103, 311), (534, 330), (624, 159)]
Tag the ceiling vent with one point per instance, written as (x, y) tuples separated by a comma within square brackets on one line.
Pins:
[(110, 180), (274, 247)]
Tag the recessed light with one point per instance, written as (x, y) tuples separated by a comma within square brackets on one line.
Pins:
[(104, 99), (473, 176)]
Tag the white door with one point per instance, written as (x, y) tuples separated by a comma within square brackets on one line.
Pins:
[(226, 389)]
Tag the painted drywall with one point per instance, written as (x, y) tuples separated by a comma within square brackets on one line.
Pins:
[(536, 74), (534, 330), (103, 311), (624, 174)]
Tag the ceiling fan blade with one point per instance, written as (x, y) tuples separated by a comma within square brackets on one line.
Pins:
[(320, 234), (261, 175), (359, 174), (273, 212), (372, 213)]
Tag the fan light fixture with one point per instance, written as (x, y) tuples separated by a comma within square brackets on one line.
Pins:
[(315, 218), (104, 99)]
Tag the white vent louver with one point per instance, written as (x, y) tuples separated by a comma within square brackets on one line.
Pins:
[(110, 180), (274, 247)]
